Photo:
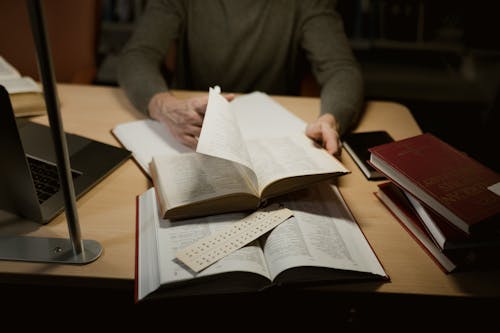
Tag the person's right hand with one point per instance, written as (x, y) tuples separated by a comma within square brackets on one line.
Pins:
[(182, 117)]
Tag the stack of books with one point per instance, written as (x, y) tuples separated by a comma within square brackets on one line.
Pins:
[(446, 200)]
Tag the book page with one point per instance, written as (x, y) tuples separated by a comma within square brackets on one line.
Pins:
[(173, 236), (322, 234), (220, 134), (147, 273), (279, 158), (18, 85), (193, 177), (261, 117), (147, 138), (7, 71)]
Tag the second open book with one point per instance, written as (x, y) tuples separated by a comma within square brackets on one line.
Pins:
[(321, 243), (231, 172)]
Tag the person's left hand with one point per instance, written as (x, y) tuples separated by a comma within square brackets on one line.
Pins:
[(325, 131)]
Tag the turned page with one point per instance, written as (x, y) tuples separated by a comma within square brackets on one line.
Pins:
[(268, 159), (220, 134), (322, 233), (186, 178)]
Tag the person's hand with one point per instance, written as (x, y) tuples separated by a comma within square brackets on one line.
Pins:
[(325, 131), (182, 117)]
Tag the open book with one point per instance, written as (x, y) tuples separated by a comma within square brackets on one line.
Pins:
[(228, 173), (146, 138), (321, 243), (25, 94)]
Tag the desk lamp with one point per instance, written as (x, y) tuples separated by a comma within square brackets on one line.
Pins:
[(43, 249)]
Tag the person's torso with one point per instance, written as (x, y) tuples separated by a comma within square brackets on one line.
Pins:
[(241, 46)]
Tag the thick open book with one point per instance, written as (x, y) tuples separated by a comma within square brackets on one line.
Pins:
[(25, 94), (146, 138), (321, 243), (228, 173)]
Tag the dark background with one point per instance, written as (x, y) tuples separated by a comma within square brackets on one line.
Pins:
[(440, 59)]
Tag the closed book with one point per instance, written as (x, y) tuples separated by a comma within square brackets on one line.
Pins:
[(446, 236), (395, 201), (445, 179), (449, 260), (28, 104), (25, 94)]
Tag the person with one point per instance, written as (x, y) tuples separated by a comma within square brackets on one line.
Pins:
[(241, 46)]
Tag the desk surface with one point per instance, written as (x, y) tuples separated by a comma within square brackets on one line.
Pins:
[(107, 213)]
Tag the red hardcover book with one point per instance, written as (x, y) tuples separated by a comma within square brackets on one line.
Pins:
[(395, 201), (445, 235), (463, 258), (446, 180)]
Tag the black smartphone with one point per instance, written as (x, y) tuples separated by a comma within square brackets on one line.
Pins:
[(357, 145)]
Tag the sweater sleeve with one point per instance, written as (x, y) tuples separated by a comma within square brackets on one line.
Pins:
[(141, 60), (332, 62)]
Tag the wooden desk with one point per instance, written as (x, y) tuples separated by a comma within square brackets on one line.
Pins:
[(107, 213)]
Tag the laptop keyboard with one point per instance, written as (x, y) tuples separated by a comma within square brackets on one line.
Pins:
[(46, 178)]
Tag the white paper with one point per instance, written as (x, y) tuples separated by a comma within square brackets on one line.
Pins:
[(148, 138)]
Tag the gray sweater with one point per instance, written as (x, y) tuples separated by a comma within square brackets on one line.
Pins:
[(243, 46)]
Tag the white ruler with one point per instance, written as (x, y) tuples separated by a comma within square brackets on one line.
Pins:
[(210, 249)]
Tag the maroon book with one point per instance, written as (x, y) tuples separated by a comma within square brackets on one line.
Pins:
[(483, 256), (445, 179), (395, 201), (446, 236)]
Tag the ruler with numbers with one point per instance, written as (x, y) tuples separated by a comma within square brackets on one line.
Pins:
[(210, 249)]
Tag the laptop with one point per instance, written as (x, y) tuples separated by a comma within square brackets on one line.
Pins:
[(29, 177), (29, 182)]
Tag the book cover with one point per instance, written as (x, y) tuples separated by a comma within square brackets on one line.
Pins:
[(395, 201), (25, 94), (445, 235), (464, 258), (447, 180)]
